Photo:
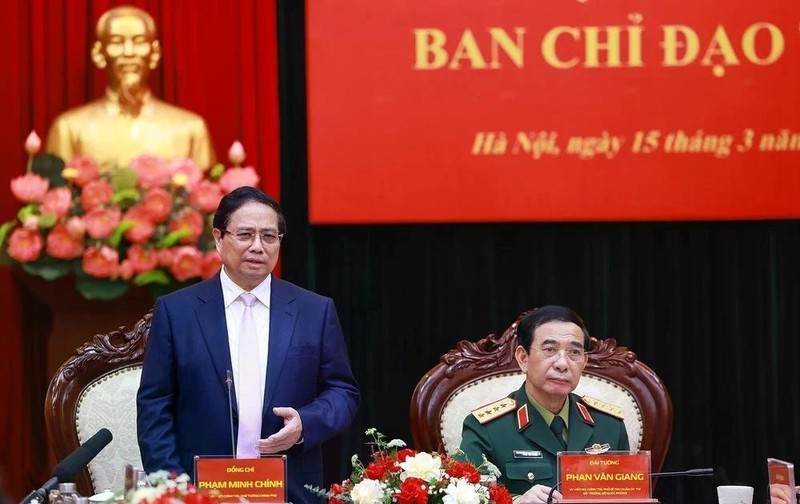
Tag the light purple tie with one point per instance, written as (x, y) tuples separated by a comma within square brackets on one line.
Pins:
[(248, 388)]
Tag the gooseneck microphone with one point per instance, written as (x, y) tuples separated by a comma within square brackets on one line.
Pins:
[(706, 471), (67, 469), (229, 383)]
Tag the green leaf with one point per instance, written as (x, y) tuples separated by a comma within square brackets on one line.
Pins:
[(49, 268), (172, 238), (26, 211), (49, 167), (125, 197), (152, 277), (47, 220), (216, 171), (116, 235), (100, 288), (4, 230), (122, 178)]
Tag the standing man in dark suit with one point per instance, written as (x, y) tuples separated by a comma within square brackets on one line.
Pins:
[(548, 417), (283, 345)]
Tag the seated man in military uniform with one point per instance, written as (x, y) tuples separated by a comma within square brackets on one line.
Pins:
[(522, 433)]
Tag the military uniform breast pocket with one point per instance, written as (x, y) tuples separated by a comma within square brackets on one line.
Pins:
[(523, 474)]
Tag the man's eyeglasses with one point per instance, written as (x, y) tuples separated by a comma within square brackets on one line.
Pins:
[(248, 237), (573, 354)]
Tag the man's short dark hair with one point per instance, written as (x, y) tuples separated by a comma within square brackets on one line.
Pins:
[(235, 199), (549, 313)]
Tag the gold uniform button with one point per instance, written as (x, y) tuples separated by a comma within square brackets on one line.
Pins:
[(531, 476)]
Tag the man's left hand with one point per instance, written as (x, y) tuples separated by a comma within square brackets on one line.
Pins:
[(285, 438)]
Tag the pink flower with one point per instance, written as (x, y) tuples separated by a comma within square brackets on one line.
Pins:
[(206, 196), (238, 177), (188, 168), (87, 168), (211, 264), (100, 262), (165, 257), (30, 187), (76, 226), (96, 194), (62, 244), (191, 220), (142, 259), (125, 270), (236, 153), (143, 228), (33, 143), (186, 263), (142, 231), (156, 204), (151, 171), (25, 245), (100, 223), (57, 201)]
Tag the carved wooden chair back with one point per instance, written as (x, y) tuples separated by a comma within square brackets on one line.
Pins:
[(96, 388)]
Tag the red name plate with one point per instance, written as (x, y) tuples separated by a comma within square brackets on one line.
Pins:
[(255, 480), (780, 472), (608, 476)]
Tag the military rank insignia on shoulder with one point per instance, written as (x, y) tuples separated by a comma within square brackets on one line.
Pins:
[(605, 407), (494, 410)]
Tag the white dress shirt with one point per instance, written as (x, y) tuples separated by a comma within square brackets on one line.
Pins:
[(234, 310)]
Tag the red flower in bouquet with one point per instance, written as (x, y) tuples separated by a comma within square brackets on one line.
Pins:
[(464, 470), (147, 224), (336, 489), (499, 494), (413, 491), (380, 468)]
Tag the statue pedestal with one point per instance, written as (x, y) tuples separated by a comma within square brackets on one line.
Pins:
[(74, 320), (56, 321)]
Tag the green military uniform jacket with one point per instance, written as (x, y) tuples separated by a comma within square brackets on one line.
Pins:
[(514, 437)]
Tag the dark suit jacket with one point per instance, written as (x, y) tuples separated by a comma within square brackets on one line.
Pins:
[(499, 438), (182, 403)]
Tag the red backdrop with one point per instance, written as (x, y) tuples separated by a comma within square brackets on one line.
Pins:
[(219, 60), (425, 111)]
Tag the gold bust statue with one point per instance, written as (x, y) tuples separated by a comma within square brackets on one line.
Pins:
[(129, 120)]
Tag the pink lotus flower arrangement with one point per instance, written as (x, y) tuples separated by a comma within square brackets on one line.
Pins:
[(147, 224)]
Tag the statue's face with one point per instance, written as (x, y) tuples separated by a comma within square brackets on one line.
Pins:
[(128, 50)]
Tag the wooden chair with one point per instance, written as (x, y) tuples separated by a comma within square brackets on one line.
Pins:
[(474, 374), (97, 388)]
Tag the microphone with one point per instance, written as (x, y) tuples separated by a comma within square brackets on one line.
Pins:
[(706, 471), (229, 383), (67, 469)]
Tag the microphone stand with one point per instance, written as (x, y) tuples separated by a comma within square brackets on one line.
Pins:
[(229, 383)]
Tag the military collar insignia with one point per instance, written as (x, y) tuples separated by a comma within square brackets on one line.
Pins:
[(494, 410), (584, 411), (522, 417), (597, 448), (605, 407)]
